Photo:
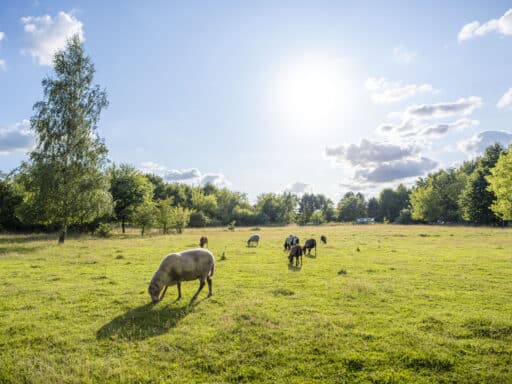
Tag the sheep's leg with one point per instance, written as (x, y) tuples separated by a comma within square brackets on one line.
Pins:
[(201, 285), (210, 286), (178, 284), (163, 293)]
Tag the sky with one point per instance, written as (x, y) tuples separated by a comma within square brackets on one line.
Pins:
[(273, 96)]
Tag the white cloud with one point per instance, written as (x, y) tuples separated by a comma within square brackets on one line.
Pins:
[(3, 65), (368, 152), (16, 139), (477, 144), (190, 176), (404, 55), (298, 188), (502, 25), (2, 36), (443, 128), (46, 34), (463, 106), (384, 91), (506, 99), (375, 162), (396, 170)]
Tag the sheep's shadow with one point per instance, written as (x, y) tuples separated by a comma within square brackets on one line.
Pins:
[(294, 268), (144, 321), (309, 256)]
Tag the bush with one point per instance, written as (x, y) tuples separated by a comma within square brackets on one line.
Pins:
[(198, 219), (231, 226), (104, 229)]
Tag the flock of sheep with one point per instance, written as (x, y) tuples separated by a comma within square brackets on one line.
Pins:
[(200, 264)]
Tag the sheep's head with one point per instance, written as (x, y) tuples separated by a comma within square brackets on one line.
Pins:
[(154, 292)]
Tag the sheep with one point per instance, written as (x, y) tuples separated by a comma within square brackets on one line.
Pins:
[(203, 241), (289, 241), (184, 266), (309, 245), (323, 239), (295, 251), (253, 239)]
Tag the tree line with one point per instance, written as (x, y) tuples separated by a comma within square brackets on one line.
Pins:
[(67, 181)]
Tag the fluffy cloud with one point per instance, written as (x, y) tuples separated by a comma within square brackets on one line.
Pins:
[(188, 176), (502, 25), (2, 36), (506, 99), (16, 139), (384, 91), (381, 162), (46, 34), (298, 188), (443, 128), (368, 152), (476, 145), (463, 106), (397, 170), (404, 55)]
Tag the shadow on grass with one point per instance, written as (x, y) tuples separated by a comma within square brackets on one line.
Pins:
[(310, 256), (18, 249), (144, 321), (294, 268)]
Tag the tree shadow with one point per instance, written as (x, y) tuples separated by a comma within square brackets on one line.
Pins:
[(144, 321)]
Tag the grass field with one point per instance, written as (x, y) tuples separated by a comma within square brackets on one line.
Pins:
[(417, 304)]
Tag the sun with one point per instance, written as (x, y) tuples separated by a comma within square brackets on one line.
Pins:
[(310, 92)]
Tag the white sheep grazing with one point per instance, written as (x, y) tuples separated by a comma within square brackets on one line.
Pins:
[(184, 266)]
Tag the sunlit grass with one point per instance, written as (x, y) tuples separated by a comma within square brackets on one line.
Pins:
[(414, 304)]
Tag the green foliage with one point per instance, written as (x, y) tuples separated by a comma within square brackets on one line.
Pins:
[(129, 189), (104, 230), (164, 214), (231, 226), (63, 182), (274, 208), (145, 215), (317, 217), (9, 200), (309, 203), (198, 219), (476, 198), (351, 206), (390, 203), (180, 218), (500, 184)]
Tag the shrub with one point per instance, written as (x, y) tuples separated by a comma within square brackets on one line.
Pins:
[(104, 229)]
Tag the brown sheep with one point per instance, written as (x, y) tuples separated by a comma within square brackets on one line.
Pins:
[(203, 241)]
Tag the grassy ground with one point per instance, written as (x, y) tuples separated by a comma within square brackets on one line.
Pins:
[(417, 304)]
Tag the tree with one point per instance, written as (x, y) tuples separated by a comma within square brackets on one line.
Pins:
[(9, 200), (129, 189), (476, 199), (63, 183), (180, 218), (351, 206), (373, 209), (164, 216), (145, 215), (317, 217), (500, 184)]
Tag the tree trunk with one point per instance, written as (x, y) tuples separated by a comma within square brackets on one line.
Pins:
[(63, 233), (142, 233), (122, 225)]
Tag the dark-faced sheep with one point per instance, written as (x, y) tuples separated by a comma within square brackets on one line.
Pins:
[(295, 251), (184, 266), (309, 245), (323, 239), (254, 239), (290, 241), (203, 241)]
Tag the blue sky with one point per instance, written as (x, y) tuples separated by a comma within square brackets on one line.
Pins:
[(267, 96)]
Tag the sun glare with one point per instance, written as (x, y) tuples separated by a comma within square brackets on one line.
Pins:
[(310, 92)]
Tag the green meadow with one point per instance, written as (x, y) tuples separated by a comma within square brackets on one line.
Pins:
[(378, 304)]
